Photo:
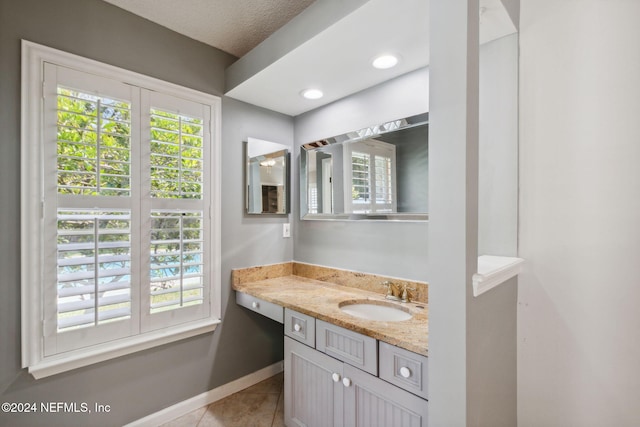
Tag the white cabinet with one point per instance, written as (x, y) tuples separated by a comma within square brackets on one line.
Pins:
[(300, 327), (356, 349), (372, 402), (313, 389), (267, 309), (335, 383), (404, 368), (320, 391), (331, 375)]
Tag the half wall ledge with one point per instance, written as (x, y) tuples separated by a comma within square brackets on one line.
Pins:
[(494, 270)]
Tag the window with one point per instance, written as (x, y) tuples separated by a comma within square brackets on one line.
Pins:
[(120, 182), (370, 184)]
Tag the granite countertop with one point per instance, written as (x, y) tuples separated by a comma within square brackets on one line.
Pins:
[(320, 300)]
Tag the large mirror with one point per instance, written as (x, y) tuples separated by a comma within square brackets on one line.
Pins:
[(379, 172), (267, 177)]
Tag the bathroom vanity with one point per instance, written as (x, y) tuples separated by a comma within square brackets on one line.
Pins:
[(343, 370)]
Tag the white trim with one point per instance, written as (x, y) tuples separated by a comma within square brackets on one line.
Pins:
[(31, 190), (215, 210), (208, 397), (99, 353), (494, 270)]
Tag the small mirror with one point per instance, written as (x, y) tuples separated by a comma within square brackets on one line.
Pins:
[(267, 177), (379, 172)]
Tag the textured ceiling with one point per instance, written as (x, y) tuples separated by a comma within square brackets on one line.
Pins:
[(234, 26)]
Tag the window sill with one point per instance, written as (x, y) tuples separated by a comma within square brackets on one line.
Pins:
[(99, 353)]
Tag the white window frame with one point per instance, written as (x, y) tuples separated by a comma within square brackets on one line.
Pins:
[(34, 56)]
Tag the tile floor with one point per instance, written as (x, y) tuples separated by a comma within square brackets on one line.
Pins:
[(260, 405)]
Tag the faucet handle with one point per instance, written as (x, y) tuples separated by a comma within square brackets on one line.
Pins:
[(405, 293), (389, 286), (393, 290)]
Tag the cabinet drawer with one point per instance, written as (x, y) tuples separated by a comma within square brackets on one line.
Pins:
[(300, 327), (268, 309), (351, 347), (404, 368)]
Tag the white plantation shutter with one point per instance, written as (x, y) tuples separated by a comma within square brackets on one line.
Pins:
[(176, 155), (94, 144), (177, 260), (89, 213), (94, 267), (125, 189), (370, 177), (384, 183), (120, 227), (360, 182), (177, 211)]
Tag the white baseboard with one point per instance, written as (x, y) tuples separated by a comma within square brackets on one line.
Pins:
[(208, 397)]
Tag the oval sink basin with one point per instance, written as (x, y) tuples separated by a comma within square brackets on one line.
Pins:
[(375, 310)]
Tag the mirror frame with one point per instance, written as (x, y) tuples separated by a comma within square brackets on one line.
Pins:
[(284, 152), (371, 131)]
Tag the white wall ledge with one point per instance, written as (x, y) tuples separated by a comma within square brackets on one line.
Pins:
[(494, 270)]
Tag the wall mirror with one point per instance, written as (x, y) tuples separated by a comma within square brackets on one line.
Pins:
[(376, 173), (267, 177)]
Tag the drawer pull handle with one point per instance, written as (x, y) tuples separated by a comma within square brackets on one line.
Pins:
[(297, 327), (346, 382), (405, 372), (255, 304), (335, 377)]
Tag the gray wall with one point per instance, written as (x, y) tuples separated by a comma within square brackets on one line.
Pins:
[(388, 248), (148, 381), (578, 315), (412, 167), (492, 358), (498, 153)]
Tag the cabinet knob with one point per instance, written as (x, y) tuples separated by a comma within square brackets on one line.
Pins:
[(405, 372), (346, 382), (335, 377), (255, 304), (297, 327)]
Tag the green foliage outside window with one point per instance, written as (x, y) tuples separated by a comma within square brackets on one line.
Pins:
[(94, 155), (176, 156)]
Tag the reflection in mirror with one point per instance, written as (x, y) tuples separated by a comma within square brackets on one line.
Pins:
[(267, 177), (380, 172)]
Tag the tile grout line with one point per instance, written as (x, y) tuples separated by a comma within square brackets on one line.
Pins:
[(275, 410), (232, 397), (203, 414)]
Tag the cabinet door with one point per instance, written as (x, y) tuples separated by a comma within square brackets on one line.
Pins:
[(313, 390), (372, 402)]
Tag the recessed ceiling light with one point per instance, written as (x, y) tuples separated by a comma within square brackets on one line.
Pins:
[(383, 62), (312, 93)]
